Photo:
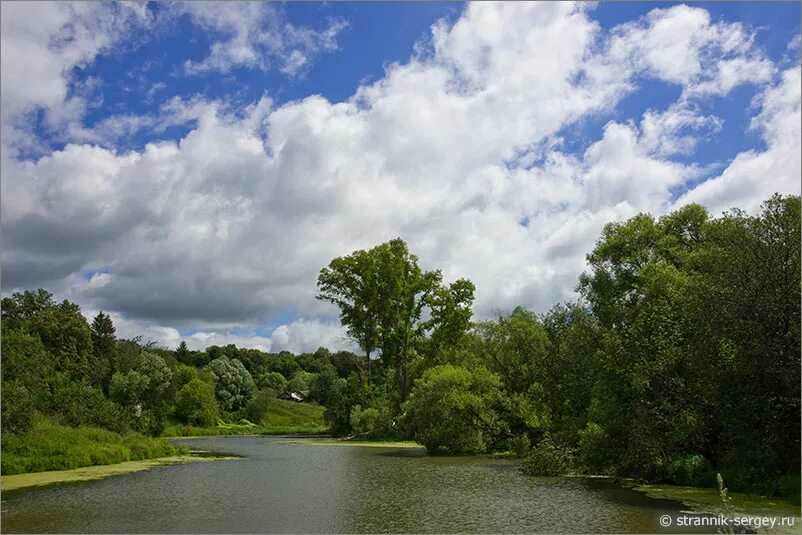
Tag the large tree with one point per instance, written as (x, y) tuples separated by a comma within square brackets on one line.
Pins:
[(104, 345), (389, 304)]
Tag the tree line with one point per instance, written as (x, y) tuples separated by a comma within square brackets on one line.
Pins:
[(680, 358)]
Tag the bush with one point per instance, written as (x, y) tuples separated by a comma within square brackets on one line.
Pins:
[(80, 404), (548, 459), (518, 444), (691, 470), (592, 449), (370, 421)]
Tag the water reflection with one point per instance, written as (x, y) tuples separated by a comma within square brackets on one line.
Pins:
[(333, 489)]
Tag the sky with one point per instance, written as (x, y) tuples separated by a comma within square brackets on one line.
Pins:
[(189, 168)]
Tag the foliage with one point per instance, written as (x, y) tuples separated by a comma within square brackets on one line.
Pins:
[(50, 446), (17, 407), (104, 343), (452, 410), (371, 421), (234, 385), (548, 458), (195, 403), (691, 470), (259, 405), (382, 295), (272, 381)]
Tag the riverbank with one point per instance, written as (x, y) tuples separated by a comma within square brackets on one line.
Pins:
[(361, 443), (705, 500), (282, 418), (49, 446), (17, 482)]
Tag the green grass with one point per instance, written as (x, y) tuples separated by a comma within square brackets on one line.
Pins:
[(289, 415), (283, 418), (50, 446)]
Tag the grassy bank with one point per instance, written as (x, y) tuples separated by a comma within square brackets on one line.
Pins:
[(49, 446), (16, 482), (282, 418)]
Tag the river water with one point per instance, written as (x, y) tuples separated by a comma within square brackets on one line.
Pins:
[(279, 487)]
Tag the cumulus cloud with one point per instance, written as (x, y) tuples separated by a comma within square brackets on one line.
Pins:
[(255, 35), (41, 43), (754, 175), (457, 151)]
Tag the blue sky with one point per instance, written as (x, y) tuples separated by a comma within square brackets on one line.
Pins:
[(207, 159)]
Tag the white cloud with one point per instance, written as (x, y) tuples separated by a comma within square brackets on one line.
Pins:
[(755, 175), (255, 35), (41, 43), (681, 45), (456, 151)]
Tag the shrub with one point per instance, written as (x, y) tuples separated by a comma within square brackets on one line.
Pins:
[(691, 470), (518, 444), (548, 459), (370, 421), (592, 448)]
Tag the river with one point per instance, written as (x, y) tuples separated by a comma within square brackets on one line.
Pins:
[(281, 487)]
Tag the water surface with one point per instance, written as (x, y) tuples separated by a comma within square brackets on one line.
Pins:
[(285, 488)]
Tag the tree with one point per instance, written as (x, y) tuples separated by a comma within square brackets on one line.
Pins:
[(453, 410), (351, 283), (383, 296), (234, 385), (146, 386), (182, 353), (104, 345), (273, 381), (27, 362), (195, 404), (18, 309), (17, 407)]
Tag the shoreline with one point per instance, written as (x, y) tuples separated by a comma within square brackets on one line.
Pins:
[(329, 441), (30, 480)]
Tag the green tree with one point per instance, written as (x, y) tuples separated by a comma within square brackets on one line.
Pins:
[(351, 283), (453, 410), (17, 407), (27, 362), (183, 354), (383, 296), (104, 345), (233, 384), (195, 404), (147, 386)]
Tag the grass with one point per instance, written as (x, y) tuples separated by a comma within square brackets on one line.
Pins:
[(49, 446), (283, 418)]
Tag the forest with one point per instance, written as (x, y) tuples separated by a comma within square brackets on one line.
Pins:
[(679, 359)]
